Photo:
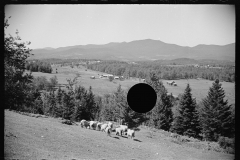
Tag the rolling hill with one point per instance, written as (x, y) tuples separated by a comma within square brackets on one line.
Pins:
[(139, 50)]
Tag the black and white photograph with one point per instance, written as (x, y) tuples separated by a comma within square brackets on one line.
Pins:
[(119, 81)]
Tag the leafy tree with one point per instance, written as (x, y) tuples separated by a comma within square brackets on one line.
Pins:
[(216, 116), (111, 78), (187, 121), (16, 82), (40, 83)]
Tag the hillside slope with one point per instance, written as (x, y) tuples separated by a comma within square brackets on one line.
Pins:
[(46, 138)]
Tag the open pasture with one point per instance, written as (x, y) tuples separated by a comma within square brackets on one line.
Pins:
[(28, 137), (200, 88), (101, 86)]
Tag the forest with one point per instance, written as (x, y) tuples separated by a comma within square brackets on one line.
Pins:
[(38, 66), (167, 72)]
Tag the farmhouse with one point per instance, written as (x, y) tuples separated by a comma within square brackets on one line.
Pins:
[(107, 75)]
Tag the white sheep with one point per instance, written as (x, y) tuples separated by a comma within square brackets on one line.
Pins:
[(110, 124), (119, 131), (108, 130), (84, 123), (174, 135), (124, 128), (93, 124), (99, 124), (103, 127), (130, 133)]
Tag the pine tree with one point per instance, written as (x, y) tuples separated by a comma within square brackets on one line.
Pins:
[(161, 115), (155, 83), (165, 115), (187, 121), (59, 103), (216, 116), (90, 103)]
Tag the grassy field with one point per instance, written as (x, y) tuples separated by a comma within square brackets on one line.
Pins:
[(100, 86), (27, 137)]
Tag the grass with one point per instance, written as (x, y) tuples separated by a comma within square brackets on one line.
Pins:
[(36, 137), (102, 86)]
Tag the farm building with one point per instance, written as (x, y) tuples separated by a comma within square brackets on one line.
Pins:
[(92, 77), (116, 77), (107, 75)]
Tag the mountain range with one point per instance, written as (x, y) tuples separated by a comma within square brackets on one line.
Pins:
[(138, 50)]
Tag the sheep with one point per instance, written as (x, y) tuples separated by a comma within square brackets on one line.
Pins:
[(103, 127), (119, 131), (108, 130), (99, 124), (124, 128), (110, 124), (93, 124), (130, 133), (174, 135), (84, 123)]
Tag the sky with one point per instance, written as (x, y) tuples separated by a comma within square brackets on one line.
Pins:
[(68, 25)]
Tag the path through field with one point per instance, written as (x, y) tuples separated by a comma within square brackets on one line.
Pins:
[(46, 138)]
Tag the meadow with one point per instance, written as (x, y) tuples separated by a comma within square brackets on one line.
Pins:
[(36, 137), (101, 86)]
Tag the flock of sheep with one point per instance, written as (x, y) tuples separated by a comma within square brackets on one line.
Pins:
[(108, 128)]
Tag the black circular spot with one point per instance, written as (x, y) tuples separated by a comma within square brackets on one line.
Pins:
[(141, 98)]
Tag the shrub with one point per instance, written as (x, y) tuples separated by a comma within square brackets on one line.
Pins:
[(226, 142)]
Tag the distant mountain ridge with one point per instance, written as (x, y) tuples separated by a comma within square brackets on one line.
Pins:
[(138, 50)]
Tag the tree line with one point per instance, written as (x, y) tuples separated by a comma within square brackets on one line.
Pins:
[(141, 70), (212, 119), (38, 66)]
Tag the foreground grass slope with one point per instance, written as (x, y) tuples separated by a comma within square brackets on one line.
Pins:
[(200, 88), (47, 138)]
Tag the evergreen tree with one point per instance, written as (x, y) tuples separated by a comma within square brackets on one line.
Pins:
[(187, 121), (68, 105), (59, 102), (216, 116), (164, 111), (118, 99), (90, 104), (161, 115), (155, 82), (132, 118)]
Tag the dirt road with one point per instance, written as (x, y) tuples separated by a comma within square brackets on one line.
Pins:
[(46, 138)]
